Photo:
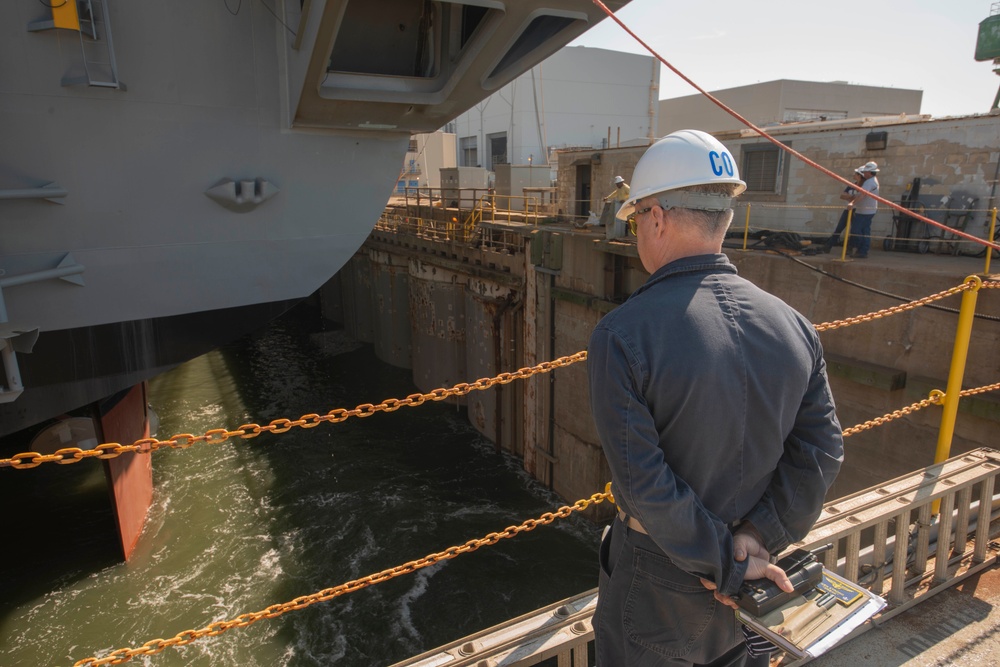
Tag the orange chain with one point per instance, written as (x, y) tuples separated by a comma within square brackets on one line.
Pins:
[(67, 455), (936, 398), (243, 620), (894, 310), (111, 450)]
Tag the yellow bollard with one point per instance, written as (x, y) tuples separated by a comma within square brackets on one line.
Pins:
[(955, 374), (847, 235), (990, 237), (746, 227)]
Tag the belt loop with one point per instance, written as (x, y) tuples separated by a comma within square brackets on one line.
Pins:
[(631, 522)]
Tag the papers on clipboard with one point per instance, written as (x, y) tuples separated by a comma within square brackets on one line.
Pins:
[(812, 623)]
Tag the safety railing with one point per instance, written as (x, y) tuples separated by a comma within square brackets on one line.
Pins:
[(911, 556), (492, 222), (535, 202), (813, 228), (920, 523)]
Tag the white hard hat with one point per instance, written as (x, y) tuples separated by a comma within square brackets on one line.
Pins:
[(869, 166), (619, 179), (679, 160)]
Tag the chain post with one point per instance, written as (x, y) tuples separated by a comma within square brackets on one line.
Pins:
[(847, 235), (989, 250), (746, 227), (959, 356)]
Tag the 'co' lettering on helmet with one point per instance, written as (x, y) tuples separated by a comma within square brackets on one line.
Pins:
[(721, 164)]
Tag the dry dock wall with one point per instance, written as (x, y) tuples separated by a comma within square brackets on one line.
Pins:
[(473, 311)]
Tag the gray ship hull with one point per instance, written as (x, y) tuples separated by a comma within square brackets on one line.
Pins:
[(172, 174)]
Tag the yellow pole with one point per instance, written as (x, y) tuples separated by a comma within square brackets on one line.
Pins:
[(958, 356), (989, 251), (746, 227), (847, 235)]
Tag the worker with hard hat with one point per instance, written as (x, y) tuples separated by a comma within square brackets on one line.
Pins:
[(712, 405), (847, 195), (864, 210), (615, 228), (620, 193)]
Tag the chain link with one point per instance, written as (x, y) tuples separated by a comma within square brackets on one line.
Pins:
[(215, 629), (894, 310), (936, 398), (247, 431), (25, 460)]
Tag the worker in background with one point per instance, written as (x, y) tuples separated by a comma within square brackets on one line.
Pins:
[(711, 402), (620, 194), (616, 228), (847, 195), (864, 210)]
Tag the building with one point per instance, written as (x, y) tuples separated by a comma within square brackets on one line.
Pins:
[(427, 155), (578, 97), (956, 159), (785, 101)]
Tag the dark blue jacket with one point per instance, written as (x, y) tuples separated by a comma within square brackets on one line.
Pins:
[(713, 407)]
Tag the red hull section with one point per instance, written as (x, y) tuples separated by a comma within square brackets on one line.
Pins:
[(130, 475)]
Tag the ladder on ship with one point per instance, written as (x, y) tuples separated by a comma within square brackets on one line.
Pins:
[(97, 47)]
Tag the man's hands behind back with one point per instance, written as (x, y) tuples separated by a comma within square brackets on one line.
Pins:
[(747, 545)]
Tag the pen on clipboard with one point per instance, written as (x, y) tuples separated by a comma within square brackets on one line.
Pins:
[(807, 615)]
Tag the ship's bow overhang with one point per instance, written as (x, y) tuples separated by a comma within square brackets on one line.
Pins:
[(414, 65)]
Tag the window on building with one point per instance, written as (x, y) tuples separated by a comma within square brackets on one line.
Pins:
[(468, 155), (413, 146), (762, 169)]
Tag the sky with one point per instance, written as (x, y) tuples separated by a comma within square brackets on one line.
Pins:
[(926, 45)]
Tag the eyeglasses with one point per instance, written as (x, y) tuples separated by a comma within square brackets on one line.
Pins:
[(631, 219)]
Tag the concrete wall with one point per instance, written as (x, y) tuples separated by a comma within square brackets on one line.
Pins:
[(784, 100), (953, 157), (604, 166), (880, 366), (511, 179), (477, 312), (391, 329)]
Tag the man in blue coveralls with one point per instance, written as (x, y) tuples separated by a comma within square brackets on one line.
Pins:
[(713, 408)]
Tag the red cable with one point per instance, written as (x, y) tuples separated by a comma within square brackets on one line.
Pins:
[(789, 149)]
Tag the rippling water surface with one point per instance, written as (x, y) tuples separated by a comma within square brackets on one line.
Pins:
[(242, 525)]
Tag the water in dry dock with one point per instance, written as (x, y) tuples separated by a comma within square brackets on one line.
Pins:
[(240, 526)]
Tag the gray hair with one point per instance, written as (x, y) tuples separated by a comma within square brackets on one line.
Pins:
[(713, 224)]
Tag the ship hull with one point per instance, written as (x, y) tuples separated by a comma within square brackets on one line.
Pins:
[(174, 175), (71, 368)]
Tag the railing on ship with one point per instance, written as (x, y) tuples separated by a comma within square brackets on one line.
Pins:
[(885, 538)]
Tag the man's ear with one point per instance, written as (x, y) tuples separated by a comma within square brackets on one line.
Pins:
[(659, 215)]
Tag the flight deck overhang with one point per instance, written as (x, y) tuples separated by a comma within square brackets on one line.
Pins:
[(414, 65)]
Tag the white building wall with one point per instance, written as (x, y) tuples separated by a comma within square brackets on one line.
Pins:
[(422, 167), (581, 94)]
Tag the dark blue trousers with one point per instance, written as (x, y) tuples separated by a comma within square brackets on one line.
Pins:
[(650, 613)]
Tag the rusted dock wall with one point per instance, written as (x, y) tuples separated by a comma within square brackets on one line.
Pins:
[(475, 311)]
